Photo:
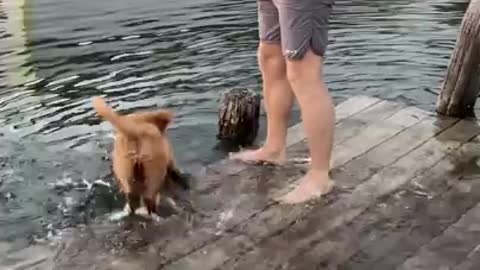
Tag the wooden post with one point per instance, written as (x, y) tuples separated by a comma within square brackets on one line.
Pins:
[(238, 117), (15, 18), (462, 82)]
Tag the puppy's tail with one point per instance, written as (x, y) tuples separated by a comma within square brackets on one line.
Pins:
[(123, 124)]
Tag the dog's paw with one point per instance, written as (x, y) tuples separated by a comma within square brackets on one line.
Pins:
[(119, 215)]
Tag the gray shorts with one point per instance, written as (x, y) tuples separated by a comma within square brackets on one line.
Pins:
[(298, 25)]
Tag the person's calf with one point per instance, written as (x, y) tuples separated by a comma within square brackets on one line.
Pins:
[(316, 107)]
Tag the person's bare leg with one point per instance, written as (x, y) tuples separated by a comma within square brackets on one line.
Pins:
[(317, 109), (278, 99)]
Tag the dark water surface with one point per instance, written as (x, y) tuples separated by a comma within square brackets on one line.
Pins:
[(146, 54)]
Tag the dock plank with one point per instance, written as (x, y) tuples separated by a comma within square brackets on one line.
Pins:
[(377, 133), (343, 111), (363, 167), (368, 229), (307, 229), (349, 127), (471, 262), (278, 217), (397, 123), (355, 123), (393, 230), (449, 249), (249, 205), (217, 254)]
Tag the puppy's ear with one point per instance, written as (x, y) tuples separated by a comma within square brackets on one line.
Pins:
[(161, 119)]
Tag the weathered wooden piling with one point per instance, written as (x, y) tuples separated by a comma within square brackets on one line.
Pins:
[(238, 116), (462, 81)]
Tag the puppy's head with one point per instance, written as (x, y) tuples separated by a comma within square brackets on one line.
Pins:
[(101, 107)]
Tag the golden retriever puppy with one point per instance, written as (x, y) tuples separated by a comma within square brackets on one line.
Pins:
[(143, 160)]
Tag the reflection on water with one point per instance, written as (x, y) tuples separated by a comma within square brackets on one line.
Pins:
[(144, 54)]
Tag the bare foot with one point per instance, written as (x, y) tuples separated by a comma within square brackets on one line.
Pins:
[(260, 156), (313, 185), (308, 160)]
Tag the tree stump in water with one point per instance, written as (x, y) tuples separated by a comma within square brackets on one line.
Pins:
[(238, 118), (462, 82)]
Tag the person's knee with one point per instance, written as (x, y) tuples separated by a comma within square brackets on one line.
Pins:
[(269, 52), (307, 69), (271, 60)]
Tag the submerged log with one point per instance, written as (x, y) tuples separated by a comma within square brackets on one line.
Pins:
[(238, 117), (462, 82)]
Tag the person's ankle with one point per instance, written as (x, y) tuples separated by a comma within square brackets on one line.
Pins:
[(273, 151), (318, 171)]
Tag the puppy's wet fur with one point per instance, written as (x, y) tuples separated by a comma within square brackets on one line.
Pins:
[(143, 160)]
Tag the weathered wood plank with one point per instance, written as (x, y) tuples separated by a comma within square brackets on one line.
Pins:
[(376, 134), (343, 110), (346, 240), (361, 168), (358, 121), (271, 218), (391, 231), (471, 262), (351, 126), (397, 123), (250, 204), (354, 105), (33, 257), (307, 229), (369, 137), (361, 113), (213, 255), (449, 249), (434, 128), (239, 198)]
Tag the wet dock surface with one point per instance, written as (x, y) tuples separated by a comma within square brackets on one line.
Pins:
[(407, 197)]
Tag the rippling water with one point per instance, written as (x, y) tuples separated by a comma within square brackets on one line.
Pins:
[(144, 54)]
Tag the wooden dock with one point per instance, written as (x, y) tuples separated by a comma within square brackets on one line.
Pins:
[(407, 197)]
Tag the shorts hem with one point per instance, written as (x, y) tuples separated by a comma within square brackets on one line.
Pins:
[(269, 41), (299, 55)]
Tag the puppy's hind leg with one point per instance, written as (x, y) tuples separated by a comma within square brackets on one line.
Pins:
[(150, 204), (133, 201)]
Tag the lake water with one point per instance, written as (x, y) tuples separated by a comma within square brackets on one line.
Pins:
[(146, 54)]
